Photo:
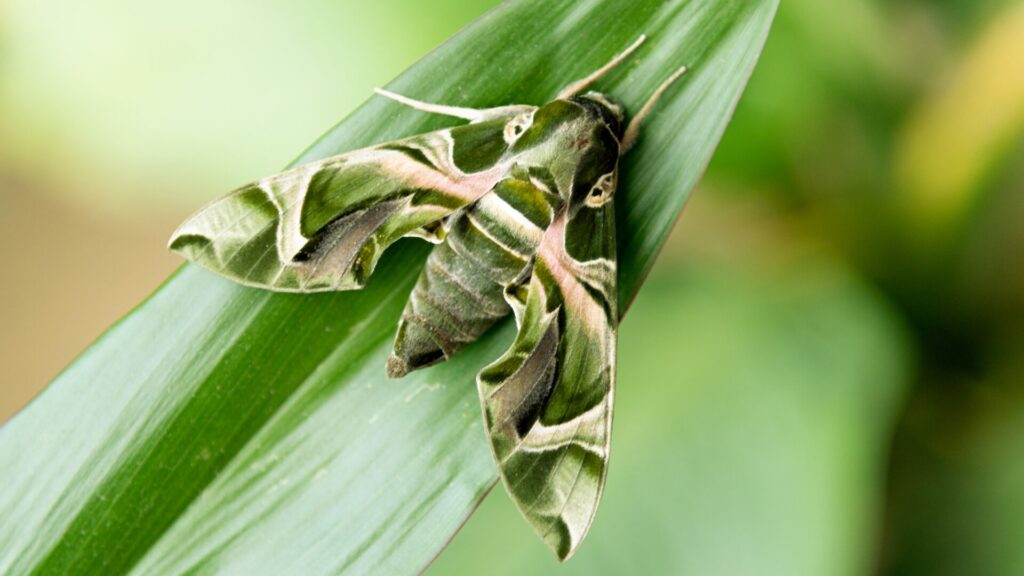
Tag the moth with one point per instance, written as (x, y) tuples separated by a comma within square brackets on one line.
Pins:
[(520, 204)]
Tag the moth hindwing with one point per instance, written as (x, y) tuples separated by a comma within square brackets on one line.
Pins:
[(519, 202)]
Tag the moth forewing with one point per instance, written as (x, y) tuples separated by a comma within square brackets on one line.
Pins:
[(323, 226), (548, 401)]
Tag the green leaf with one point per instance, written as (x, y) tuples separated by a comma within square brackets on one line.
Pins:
[(223, 428)]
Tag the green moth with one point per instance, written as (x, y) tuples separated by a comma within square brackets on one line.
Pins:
[(519, 203)]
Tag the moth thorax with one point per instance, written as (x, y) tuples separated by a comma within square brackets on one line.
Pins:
[(607, 110)]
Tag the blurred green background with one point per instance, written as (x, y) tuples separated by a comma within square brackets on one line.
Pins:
[(825, 372)]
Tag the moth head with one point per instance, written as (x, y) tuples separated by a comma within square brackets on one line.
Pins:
[(605, 109), (517, 125)]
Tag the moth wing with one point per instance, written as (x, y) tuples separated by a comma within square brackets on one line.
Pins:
[(323, 225), (548, 401)]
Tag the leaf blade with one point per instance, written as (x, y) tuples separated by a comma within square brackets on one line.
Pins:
[(142, 444)]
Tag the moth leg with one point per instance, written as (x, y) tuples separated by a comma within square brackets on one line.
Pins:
[(632, 132), (472, 114), (583, 83)]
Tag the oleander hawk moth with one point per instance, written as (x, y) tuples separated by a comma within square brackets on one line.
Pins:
[(519, 203)]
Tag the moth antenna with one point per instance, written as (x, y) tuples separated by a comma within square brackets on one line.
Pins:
[(471, 114), (632, 132), (583, 83)]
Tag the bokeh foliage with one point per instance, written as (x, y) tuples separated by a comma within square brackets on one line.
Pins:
[(900, 150)]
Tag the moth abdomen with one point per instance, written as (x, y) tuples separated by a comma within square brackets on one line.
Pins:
[(452, 305), (460, 293)]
